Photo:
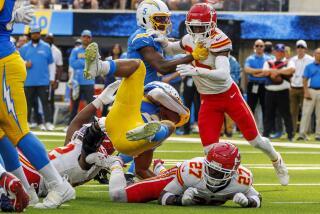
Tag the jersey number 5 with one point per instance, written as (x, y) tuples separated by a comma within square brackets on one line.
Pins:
[(195, 169)]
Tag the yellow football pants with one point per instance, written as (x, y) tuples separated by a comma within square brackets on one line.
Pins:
[(13, 105), (125, 114)]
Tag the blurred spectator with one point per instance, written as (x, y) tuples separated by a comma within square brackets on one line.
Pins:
[(268, 49), (279, 72), (22, 40), (301, 60), (287, 52), (85, 4), (256, 82), (40, 73), (57, 58), (84, 87), (311, 102)]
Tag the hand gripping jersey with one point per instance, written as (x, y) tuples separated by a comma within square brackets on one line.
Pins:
[(190, 174), (219, 42)]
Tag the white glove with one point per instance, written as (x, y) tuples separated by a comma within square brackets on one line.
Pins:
[(102, 123), (188, 195), (107, 95), (159, 37), (24, 14), (187, 70), (100, 160), (241, 199)]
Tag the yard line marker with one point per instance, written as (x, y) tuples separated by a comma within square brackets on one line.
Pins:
[(198, 141), (294, 202)]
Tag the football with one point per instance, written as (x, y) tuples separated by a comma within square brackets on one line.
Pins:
[(167, 114)]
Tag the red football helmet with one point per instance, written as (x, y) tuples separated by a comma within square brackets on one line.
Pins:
[(201, 21), (221, 163)]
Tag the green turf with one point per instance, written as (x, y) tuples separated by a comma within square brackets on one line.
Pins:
[(276, 199)]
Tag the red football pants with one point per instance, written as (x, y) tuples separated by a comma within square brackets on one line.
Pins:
[(211, 115), (149, 189)]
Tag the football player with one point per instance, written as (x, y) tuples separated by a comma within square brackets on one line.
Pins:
[(125, 126), (13, 113), (153, 17), (219, 94), (210, 180)]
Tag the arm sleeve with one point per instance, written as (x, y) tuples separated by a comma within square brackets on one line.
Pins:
[(59, 61), (254, 198), (247, 63), (50, 56), (52, 71), (174, 48), (291, 64), (222, 71), (168, 101)]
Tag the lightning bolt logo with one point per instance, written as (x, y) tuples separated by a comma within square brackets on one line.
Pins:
[(8, 100)]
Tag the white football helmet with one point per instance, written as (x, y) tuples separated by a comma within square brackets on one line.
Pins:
[(154, 15)]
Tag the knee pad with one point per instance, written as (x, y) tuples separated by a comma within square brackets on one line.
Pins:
[(92, 139)]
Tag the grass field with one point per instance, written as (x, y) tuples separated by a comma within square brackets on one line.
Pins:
[(301, 196)]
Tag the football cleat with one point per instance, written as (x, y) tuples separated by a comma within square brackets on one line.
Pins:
[(93, 63), (144, 131), (17, 194), (57, 195), (281, 171), (33, 196)]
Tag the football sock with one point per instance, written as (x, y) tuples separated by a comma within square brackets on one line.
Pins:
[(117, 183), (2, 170), (265, 146), (35, 152), (125, 158), (161, 135), (9, 154), (20, 174), (131, 169)]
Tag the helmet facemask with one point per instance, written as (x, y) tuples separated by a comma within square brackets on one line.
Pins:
[(200, 31), (161, 22), (216, 176)]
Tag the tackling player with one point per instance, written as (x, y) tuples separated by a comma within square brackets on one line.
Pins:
[(210, 180), (13, 113), (219, 94)]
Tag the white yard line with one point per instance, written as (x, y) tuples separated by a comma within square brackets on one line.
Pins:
[(294, 202), (197, 141)]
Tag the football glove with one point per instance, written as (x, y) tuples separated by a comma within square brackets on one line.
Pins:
[(200, 52), (107, 96), (187, 70), (24, 14), (188, 195), (241, 199)]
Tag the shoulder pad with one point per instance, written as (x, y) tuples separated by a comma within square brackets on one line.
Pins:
[(244, 176), (142, 40), (220, 42), (190, 172)]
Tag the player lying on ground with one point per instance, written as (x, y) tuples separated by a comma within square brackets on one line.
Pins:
[(85, 154), (210, 180), (219, 93)]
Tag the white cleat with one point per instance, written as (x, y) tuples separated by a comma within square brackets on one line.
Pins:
[(143, 132), (49, 126), (33, 196), (57, 195), (281, 171), (93, 64)]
